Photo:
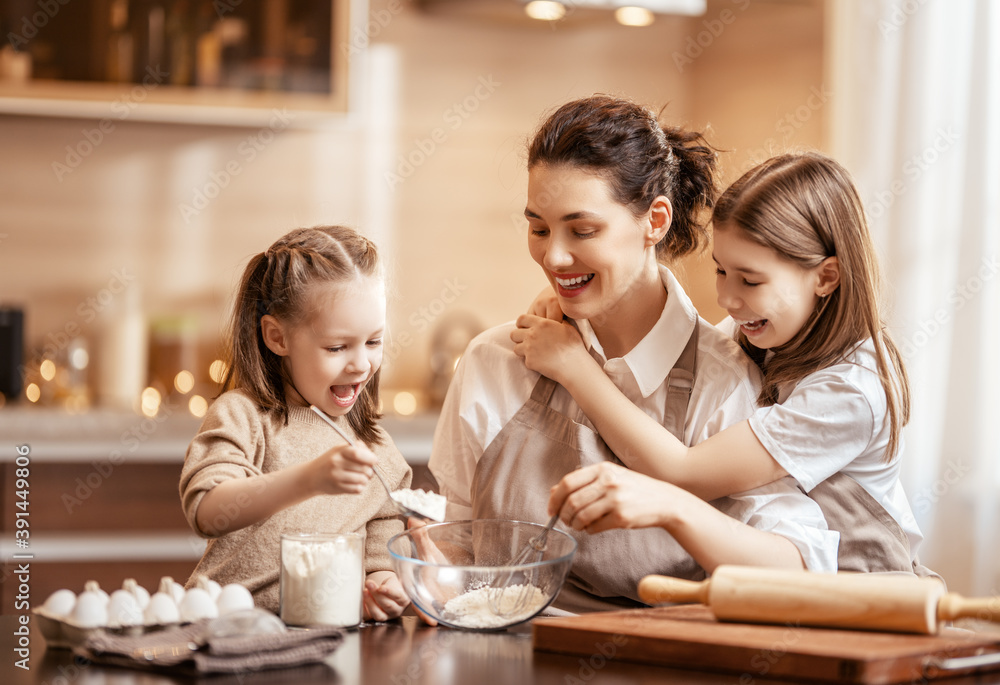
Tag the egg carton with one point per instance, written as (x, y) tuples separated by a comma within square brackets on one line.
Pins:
[(67, 620), (62, 633)]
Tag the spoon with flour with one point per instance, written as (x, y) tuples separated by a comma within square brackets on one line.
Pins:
[(424, 505)]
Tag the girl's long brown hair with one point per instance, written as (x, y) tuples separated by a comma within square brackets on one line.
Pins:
[(277, 282), (807, 208)]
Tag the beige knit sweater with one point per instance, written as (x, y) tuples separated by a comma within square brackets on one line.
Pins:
[(238, 440)]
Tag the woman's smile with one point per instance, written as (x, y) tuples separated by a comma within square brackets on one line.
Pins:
[(571, 285)]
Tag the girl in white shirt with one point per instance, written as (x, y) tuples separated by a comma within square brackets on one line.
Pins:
[(797, 273)]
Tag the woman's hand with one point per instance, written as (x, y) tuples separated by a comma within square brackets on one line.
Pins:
[(548, 347), (546, 305), (344, 469), (384, 597), (605, 496)]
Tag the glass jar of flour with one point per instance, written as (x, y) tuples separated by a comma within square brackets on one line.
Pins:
[(322, 576)]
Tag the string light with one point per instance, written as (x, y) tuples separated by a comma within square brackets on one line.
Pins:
[(47, 369), (404, 403), (149, 402), (198, 406), (184, 382), (217, 371)]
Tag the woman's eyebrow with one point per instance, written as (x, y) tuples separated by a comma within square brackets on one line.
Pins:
[(572, 216)]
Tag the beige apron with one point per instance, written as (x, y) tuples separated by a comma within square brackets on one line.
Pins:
[(871, 540), (536, 449)]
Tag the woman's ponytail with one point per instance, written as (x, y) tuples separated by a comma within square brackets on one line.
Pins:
[(694, 192)]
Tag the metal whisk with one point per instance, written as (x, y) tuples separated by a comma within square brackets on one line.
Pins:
[(505, 603)]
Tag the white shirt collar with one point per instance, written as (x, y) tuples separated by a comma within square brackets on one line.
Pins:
[(651, 360)]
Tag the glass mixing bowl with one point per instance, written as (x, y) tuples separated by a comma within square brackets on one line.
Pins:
[(451, 570)]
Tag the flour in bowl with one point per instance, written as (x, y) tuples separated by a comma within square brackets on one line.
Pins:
[(429, 504), (472, 609)]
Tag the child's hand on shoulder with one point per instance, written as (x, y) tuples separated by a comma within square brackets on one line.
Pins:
[(547, 306), (344, 469), (384, 596), (549, 347)]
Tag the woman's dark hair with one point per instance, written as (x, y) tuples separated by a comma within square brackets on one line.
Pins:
[(277, 282), (641, 160)]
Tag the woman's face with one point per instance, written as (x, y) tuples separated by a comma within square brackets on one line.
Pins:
[(592, 248)]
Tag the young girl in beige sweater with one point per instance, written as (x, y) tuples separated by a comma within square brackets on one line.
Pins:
[(307, 329)]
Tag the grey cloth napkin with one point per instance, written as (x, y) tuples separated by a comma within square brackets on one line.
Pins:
[(192, 648)]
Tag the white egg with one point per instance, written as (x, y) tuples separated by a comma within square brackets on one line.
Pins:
[(92, 586), (234, 597), (141, 593), (161, 610), (124, 610), (91, 611), (210, 586), (197, 604), (60, 603)]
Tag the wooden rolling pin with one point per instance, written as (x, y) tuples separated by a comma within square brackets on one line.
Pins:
[(894, 603)]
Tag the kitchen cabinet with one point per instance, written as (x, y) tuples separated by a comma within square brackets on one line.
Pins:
[(196, 61)]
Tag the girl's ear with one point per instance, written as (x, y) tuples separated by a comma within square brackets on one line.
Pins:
[(274, 335), (828, 276), (660, 214)]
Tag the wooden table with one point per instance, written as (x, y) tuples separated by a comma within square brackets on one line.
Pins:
[(403, 652)]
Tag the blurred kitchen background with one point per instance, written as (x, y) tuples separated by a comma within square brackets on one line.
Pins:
[(150, 147)]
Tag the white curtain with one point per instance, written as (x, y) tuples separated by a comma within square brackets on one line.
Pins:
[(916, 85)]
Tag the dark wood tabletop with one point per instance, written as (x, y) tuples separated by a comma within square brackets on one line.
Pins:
[(401, 652)]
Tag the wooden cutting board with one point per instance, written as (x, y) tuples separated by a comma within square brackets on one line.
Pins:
[(688, 636)]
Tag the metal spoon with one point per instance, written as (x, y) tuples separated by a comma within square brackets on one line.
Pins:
[(400, 507)]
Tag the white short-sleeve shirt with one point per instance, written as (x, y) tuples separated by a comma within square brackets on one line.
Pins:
[(836, 419), (491, 384)]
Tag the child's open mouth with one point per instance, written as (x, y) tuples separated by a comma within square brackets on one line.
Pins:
[(752, 326), (344, 395)]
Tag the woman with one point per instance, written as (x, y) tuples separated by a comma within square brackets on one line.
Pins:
[(609, 193)]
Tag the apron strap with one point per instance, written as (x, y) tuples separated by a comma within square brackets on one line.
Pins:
[(680, 382), (542, 392)]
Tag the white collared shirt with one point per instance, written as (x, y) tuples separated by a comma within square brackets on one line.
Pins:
[(491, 384)]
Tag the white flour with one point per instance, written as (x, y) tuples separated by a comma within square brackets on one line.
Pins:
[(430, 504), (472, 609), (321, 580)]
